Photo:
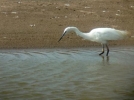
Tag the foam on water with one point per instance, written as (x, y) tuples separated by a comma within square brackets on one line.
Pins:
[(67, 74)]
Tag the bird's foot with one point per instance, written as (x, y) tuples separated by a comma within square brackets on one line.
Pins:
[(101, 53)]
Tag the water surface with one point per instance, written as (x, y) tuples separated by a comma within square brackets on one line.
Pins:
[(67, 74)]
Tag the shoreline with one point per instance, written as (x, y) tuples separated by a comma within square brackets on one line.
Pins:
[(70, 48), (39, 24)]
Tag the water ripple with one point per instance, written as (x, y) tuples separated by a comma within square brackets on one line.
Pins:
[(66, 74)]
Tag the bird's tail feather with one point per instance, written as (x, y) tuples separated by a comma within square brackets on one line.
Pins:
[(129, 35), (124, 34)]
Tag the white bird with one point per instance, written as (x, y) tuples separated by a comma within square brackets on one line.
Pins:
[(100, 35)]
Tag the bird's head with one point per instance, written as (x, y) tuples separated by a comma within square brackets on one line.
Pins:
[(68, 30)]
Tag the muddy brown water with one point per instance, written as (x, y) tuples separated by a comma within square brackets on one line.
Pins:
[(67, 74)]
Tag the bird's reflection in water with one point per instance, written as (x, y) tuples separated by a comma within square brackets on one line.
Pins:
[(105, 60)]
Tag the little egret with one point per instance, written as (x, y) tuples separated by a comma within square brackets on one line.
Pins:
[(100, 35)]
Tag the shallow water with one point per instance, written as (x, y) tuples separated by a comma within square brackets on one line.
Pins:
[(67, 74)]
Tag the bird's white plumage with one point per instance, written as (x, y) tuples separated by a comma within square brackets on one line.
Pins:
[(100, 35)]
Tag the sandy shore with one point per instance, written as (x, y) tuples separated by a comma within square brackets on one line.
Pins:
[(39, 24)]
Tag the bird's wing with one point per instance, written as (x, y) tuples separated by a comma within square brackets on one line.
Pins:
[(115, 34), (109, 34)]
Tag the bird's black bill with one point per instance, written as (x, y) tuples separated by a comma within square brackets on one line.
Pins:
[(61, 37)]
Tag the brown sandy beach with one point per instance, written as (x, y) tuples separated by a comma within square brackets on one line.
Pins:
[(40, 23)]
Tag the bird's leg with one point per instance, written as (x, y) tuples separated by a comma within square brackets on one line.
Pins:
[(102, 49), (107, 49)]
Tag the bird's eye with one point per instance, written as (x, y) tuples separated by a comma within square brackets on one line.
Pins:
[(65, 32)]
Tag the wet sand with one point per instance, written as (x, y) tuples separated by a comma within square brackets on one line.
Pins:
[(67, 74), (39, 24)]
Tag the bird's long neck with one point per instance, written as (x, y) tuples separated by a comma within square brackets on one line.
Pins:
[(81, 34)]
